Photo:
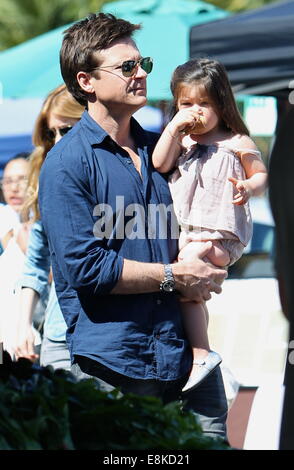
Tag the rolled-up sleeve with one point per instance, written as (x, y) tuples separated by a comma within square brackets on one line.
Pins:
[(66, 202)]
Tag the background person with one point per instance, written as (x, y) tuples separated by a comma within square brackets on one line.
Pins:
[(59, 113), (13, 184)]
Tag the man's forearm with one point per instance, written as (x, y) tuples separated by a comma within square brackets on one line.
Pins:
[(139, 278), (194, 280)]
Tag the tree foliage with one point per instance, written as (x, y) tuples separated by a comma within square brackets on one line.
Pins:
[(239, 5), (43, 409), (21, 20)]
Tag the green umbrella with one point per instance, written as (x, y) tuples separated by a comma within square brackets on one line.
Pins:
[(31, 69)]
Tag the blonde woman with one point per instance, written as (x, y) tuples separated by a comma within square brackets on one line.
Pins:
[(58, 115)]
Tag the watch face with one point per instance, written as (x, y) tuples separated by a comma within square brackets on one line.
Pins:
[(168, 286)]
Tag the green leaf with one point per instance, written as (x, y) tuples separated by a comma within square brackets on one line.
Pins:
[(46, 409)]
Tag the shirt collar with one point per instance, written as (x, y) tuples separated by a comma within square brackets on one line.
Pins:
[(139, 134), (96, 134)]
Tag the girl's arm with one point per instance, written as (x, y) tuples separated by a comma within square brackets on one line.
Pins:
[(169, 146), (167, 151), (255, 170)]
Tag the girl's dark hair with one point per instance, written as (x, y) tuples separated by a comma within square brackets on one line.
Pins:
[(82, 40), (213, 76)]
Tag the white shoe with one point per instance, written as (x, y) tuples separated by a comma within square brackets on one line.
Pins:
[(206, 366)]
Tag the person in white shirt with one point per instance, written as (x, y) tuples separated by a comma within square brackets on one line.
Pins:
[(13, 183), (13, 242)]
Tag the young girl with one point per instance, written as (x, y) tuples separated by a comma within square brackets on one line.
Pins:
[(217, 169)]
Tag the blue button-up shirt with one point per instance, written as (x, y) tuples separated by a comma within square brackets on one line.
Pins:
[(97, 210)]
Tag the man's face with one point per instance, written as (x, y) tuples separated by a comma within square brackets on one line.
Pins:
[(112, 89)]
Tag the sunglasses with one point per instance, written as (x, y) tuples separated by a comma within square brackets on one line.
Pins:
[(129, 67), (51, 133)]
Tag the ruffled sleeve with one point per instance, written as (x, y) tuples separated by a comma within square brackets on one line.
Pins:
[(242, 152)]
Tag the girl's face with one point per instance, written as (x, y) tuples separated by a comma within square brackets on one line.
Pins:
[(195, 96)]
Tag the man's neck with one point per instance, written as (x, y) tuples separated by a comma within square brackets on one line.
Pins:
[(118, 126)]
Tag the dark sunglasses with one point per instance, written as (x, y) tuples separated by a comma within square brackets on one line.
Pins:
[(51, 133), (128, 67)]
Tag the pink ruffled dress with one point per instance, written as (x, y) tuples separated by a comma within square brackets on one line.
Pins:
[(203, 196)]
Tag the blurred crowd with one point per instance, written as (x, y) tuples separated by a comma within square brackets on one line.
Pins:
[(31, 323)]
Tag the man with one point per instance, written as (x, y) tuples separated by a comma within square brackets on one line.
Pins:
[(111, 256)]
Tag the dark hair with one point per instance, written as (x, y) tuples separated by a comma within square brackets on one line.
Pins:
[(213, 76), (24, 155), (82, 40), (18, 156)]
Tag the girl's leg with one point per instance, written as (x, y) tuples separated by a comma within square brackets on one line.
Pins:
[(218, 255), (195, 319), (195, 315), (195, 324)]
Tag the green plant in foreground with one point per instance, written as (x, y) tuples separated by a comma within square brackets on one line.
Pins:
[(45, 409)]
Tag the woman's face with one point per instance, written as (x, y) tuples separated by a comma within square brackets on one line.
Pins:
[(14, 183), (60, 125)]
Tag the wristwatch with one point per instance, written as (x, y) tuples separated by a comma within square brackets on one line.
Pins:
[(168, 284)]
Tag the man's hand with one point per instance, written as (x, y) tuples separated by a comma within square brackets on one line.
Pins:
[(196, 279)]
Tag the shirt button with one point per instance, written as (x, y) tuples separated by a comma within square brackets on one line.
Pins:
[(159, 302)]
